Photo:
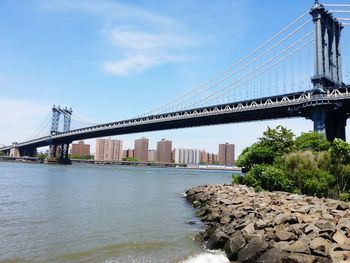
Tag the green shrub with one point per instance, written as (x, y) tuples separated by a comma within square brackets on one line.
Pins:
[(344, 197), (303, 169), (312, 141)]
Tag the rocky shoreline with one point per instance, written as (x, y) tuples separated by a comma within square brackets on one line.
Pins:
[(272, 226)]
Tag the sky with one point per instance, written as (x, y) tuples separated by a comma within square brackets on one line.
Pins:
[(111, 60)]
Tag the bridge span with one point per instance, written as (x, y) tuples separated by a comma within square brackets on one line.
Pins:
[(328, 110), (327, 103)]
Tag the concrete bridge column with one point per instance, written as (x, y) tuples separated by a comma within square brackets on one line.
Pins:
[(14, 152)]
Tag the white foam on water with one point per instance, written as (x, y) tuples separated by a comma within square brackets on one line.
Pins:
[(207, 258)]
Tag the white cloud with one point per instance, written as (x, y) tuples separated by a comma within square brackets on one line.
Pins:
[(20, 118), (154, 39), (136, 63), (145, 41), (142, 50)]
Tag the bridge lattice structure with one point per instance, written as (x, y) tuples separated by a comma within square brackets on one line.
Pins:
[(271, 82)]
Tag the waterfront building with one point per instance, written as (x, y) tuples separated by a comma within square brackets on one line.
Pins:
[(204, 157), (226, 154), (152, 155), (130, 153), (80, 149), (125, 153), (173, 155), (187, 156), (108, 150), (213, 158), (141, 149), (164, 151)]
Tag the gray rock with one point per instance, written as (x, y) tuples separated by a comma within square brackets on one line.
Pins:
[(285, 235), (273, 255), (255, 247), (217, 239), (325, 226), (320, 246), (341, 238), (233, 245), (299, 247), (297, 258), (285, 218), (248, 231)]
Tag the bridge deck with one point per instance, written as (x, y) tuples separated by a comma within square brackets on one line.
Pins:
[(288, 106)]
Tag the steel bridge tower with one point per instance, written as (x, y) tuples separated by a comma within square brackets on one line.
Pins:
[(59, 152), (328, 119)]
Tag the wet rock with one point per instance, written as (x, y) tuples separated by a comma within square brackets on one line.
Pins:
[(217, 240), (253, 227), (255, 247), (233, 245)]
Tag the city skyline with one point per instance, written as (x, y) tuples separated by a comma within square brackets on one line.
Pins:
[(171, 145), (145, 53)]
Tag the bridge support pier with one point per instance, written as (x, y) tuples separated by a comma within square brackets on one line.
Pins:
[(59, 154), (64, 158), (331, 123)]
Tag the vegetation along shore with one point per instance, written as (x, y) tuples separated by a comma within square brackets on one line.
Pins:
[(291, 204)]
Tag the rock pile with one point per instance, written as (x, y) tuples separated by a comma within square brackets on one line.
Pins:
[(272, 226)]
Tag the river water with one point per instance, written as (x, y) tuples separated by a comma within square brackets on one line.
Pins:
[(109, 214)]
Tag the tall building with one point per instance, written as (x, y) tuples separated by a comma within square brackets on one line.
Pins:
[(226, 154), (152, 155), (187, 156), (108, 150), (164, 148), (80, 149), (141, 149), (204, 157)]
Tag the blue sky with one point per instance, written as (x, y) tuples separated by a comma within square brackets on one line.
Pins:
[(112, 60)]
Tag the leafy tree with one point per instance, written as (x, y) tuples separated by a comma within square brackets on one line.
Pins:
[(280, 140), (337, 162), (273, 144), (256, 154), (2, 153), (312, 141)]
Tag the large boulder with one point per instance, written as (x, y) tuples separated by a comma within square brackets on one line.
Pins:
[(217, 239), (233, 245), (250, 253)]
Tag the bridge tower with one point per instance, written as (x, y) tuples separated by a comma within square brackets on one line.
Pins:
[(59, 152), (329, 119)]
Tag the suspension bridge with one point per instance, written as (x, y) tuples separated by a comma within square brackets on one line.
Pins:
[(296, 73)]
